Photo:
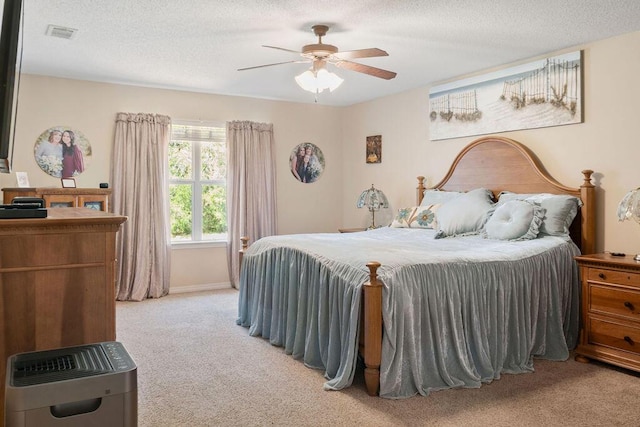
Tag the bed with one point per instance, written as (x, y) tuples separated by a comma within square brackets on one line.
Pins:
[(426, 309)]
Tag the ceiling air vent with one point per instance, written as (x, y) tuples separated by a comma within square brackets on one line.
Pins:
[(61, 32)]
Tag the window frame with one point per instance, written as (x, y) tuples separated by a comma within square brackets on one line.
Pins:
[(196, 182)]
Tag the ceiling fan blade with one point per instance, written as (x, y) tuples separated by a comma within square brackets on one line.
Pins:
[(360, 53), (271, 65), (281, 48), (366, 69)]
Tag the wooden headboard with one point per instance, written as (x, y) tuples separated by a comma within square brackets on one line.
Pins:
[(502, 164)]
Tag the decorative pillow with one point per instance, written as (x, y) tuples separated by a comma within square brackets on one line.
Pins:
[(433, 197), (416, 217), (514, 220), (465, 214), (560, 210)]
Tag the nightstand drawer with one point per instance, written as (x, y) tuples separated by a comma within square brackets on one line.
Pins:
[(614, 335), (612, 276), (610, 300)]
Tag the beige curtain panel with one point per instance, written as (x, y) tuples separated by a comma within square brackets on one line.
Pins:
[(251, 187), (141, 192)]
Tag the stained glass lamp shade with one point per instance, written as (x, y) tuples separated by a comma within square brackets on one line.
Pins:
[(629, 208), (373, 199)]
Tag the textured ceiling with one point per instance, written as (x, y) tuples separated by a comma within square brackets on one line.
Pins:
[(198, 45)]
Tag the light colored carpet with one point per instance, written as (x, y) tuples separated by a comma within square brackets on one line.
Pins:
[(196, 367)]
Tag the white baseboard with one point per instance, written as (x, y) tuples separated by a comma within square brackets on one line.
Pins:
[(199, 288)]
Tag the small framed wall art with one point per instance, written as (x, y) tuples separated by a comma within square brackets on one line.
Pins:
[(374, 149)]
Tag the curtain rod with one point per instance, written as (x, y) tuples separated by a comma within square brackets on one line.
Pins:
[(212, 123)]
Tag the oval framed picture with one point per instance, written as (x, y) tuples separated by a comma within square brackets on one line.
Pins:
[(62, 152), (306, 162)]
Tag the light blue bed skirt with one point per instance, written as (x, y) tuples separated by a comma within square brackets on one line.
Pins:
[(457, 312)]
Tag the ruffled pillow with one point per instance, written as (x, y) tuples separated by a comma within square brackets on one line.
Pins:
[(416, 217), (514, 220), (560, 210)]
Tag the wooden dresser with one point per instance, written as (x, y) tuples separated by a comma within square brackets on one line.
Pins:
[(94, 198), (610, 310), (57, 282)]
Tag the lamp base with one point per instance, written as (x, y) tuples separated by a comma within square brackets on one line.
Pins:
[(373, 219)]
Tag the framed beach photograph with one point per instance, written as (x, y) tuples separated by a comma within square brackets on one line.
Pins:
[(542, 93), (68, 183)]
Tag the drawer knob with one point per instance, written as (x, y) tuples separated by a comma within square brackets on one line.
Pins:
[(628, 305), (628, 339), (601, 275)]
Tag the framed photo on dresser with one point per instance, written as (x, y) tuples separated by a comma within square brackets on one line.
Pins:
[(68, 183), (22, 179)]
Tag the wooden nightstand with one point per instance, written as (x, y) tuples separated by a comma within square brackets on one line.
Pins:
[(610, 310), (351, 230)]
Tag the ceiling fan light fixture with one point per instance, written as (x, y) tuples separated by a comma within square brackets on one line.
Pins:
[(328, 80), (318, 81), (307, 81)]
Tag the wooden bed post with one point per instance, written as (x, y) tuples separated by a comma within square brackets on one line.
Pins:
[(244, 240), (372, 329), (420, 189), (588, 214)]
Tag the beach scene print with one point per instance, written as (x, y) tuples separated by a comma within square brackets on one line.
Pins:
[(537, 94)]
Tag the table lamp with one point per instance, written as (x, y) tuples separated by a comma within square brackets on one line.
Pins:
[(629, 208), (373, 199)]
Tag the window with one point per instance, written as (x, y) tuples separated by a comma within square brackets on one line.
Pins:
[(197, 183)]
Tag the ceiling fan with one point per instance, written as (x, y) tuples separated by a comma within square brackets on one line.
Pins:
[(320, 54)]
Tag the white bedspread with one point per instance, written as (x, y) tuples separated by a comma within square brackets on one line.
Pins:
[(457, 311)]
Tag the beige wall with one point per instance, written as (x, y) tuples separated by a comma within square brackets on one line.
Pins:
[(91, 107), (606, 142)]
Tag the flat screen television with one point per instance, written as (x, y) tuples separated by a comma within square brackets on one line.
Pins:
[(10, 53)]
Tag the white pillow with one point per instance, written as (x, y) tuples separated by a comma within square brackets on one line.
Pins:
[(514, 220), (560, 210), (434, 197), (465, 214)]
